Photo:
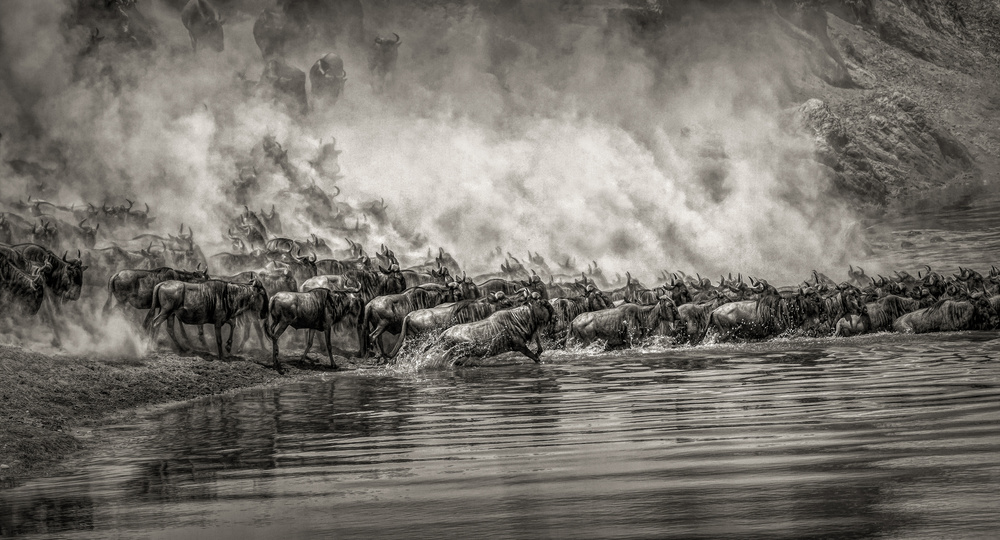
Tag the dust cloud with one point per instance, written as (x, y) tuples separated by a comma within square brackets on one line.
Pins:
[(550, 127)]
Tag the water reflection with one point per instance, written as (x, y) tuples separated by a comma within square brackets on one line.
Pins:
[(892, 436)]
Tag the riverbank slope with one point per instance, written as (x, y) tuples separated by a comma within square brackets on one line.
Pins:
[(45, 397)]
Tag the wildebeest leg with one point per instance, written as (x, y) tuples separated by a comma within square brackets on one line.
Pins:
[(229, 342), (201, 337), (49, 316), (523, 349), (170, 332), (377, 334), (218, 339), (309, 344), (538, 341), (275, 336), (329, 348)]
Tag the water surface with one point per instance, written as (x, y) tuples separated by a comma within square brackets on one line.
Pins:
[(888, 436)]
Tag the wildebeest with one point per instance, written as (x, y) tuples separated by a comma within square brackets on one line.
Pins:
[(317, 309), (622, 325), (135, 287), (378, 283), (203, 25), (386, 313), (768, 316), (62, 277), (566, 309), (504, 331), (275, 277), (21, 293), (948, 316), (877, 316), (382, 60), (327, 78), (285, 84), (271, 31), (659, 319), (212, 302), (422, 321)]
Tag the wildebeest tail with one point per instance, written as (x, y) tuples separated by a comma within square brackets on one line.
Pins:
[(363, 332), (154, 307), (111, 294), (268, 331), (400, 339)]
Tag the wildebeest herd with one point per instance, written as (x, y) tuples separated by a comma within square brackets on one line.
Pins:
[(379, 305), (52, 255)]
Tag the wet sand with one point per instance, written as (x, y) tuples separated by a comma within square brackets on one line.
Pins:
[(50, 403)]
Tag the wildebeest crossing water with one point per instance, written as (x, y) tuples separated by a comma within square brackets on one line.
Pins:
[(888, 435)]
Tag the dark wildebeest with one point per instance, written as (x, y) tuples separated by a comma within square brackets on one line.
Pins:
[(62, 277), (203, 25), (386, 313), (135, 287), (382, 61), (660, 319), (877, 316), (334, 267), (318, 309), (285, 84), (504, 331), (378, 283), (617, 326), (768, 316), (327, 78), (567, 309), (693, 317), (271, 31), (423, 321), (21, 294), (505, 286), (212, 302), (627, 292), (948, 316), (275, 277)]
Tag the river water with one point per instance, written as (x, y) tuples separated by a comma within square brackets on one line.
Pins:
[(884, 436), (889, 436)]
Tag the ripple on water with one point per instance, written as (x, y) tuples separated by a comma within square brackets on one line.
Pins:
[(885, 435)]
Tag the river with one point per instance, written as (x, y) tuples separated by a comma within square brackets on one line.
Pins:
[(889, 436)]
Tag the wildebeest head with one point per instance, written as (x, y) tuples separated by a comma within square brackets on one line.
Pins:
[(985, 316), (463, 289), (597, 299), (6, 233), (203, 25), (69, 278), (394, 280), (327, 76), (260, 301), (385, 51)]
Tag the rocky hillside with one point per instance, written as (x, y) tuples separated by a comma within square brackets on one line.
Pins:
[(903, 96)]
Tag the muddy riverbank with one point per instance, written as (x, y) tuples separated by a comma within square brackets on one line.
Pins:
[(48, 400)]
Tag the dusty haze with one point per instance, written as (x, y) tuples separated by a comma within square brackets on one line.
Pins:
[(525, 126)]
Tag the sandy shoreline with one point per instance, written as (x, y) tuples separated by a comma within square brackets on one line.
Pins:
[(50, 401)]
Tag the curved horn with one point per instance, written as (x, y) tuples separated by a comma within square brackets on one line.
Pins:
[(398, 40)]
